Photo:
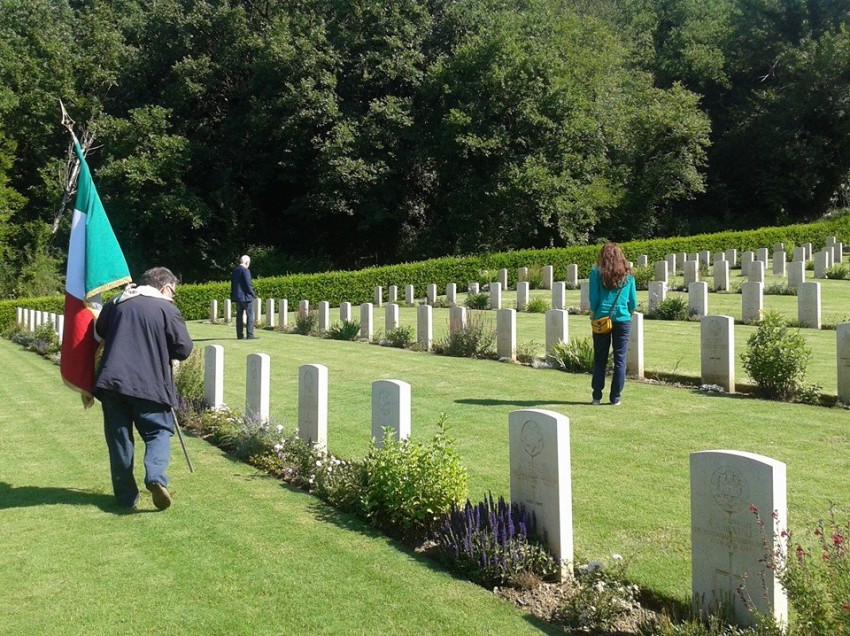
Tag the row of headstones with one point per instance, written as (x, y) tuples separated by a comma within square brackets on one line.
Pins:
[(31, 319), (727, 550), (717, 354), (391, 399), (752, 301)]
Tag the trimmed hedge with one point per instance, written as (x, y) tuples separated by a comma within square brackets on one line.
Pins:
[(359, 286)]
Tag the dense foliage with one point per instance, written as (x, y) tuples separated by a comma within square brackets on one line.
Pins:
[(328, 134)]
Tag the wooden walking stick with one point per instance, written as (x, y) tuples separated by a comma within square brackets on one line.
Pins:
[(182, 441)]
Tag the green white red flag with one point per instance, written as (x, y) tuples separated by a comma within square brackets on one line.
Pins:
[(95, 264)]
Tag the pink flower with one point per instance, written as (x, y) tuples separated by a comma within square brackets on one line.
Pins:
[(783, 534), (837, 539), (754, 508), (846, 607), (800, 551)]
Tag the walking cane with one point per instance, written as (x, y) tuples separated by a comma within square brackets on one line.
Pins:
[(182, 441)]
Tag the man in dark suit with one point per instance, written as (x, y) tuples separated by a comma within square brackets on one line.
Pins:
[(242, 293)]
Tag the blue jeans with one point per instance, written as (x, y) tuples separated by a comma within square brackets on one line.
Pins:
[(619, 337), (155, 425), (244, 318)]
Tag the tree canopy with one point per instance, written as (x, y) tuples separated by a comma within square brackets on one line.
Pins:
[(342, 133)]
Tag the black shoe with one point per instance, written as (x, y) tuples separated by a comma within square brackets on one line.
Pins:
[(252, 338), (160, 496)]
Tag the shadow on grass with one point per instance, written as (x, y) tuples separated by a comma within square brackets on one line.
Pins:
[(328, 514), (28, 496), (526, 403)]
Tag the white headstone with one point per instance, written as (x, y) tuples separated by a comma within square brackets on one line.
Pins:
[(541, 480), (799, 254), (705, 258), (213, 310), (393, 293), (557, 328), (657, 293), (717, 351), (662, 271), (258, 311), (752, 301), (283, 312), (634, 354), (503, 278), (559, 295), (431, 294), (451, 294), (584, 302), (345, 313), (379, 296), (761, 255), (214, 376), (643, 260), (726, 544), (572, 275), (673, 265), (313, 404), (698, 298), (732, 257), (228, 310), (779, 263), (60, 327), (821, 264), (691, 272), (522, 274), (270, 312), (746, 259), (495, 295), (506, 334), (19, 315), (547, 276), (721, 275), (303, 308), (755, 272), (808, 305), (391, 321), (796, 273), (457, 319), (473, 288), (842, 340), (258, 372), (391, 408), (409, 294), (521, 295), (367, 325), (425, 326), (324, 315)]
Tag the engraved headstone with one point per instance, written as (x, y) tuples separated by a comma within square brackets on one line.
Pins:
[(270, 313), (213, 310), (521, 295), (228, 311), (425, 326), (559, 295), (842, 340), (451, 294), (661, 271), (779, 263), (506, 334), (214, 376), (345, 312), (557, 329), (717, 351), (495, 295), (634, 354), (809, 305), (324, 315), (409, 295), (691, 272), (431, 294), (313, 404), (258, 372), (726, 544), (721, 275), (698, 298), (732, 257), (378, 300), (547, 276), (796, 273), (752, 301), (457, 319), (393, 294), (503, 278), (391, 321), (755, 272), (657, 293), (391, 408), (367, 324), (572, 276)]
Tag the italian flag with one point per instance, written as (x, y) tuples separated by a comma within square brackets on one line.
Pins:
[(95, 264)]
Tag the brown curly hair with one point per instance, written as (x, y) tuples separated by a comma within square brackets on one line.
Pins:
[(613, 266)]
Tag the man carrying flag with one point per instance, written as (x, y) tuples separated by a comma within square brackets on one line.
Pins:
[(143, 332)]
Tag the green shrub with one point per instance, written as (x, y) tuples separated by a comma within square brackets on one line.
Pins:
[(400, 337), (476, 340), (575, 356), (672, 308), (410, 485), (643, 276), (534, 277), (477, 301), (776, 358), (189, 382), (601, 597), (537, 305), (838, 272), (306, 324), (526, 352), (345, 330), (780, 289)]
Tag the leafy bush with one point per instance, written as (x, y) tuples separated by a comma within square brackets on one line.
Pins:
[(409, 486), (189, 382), (345, 330), (477, 301), (476, 340), (643, 276), (400, 337), (780, 289), (776, 358), (306, 324), (838, 272), (602, 596), (526, 352), (671, 308), (575, 356), (489, 544), (815, 573), (534, 277), (537, 305)]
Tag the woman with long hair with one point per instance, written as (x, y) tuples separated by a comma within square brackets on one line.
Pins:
[(612, 293)]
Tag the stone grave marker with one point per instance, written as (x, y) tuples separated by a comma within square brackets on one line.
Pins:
[(842, 341), (755, 272), (213, 311), (559, 295), (661, 271), (345, 313), (726, 543), (796, 273), (547, 276), (495, 295), (809, 305), (258, 372), (506, 334), (717, 351), (779, 263), (283, 312), (408, 294), (657, 293), (457, 319), (572, 276), (698, 298), (270, 313), (214, 376), (451, 294), (379, 296), (721, 275), (391, 320), (425, 326), (391, 408), (324, 315), (557, 329), (367, 325), (521, 295), (541, 480), (634, 354), (691, 272), (313, 404), (752, 301)]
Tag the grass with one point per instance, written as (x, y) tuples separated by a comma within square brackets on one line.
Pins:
[(238, 553)]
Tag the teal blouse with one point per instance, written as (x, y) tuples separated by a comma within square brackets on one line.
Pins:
[(601, 299)]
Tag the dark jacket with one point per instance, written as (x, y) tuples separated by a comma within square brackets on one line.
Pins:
[(142, 336), (241, 289)]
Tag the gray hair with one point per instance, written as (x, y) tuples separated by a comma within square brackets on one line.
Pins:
[(245, 260), (158, 277)]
